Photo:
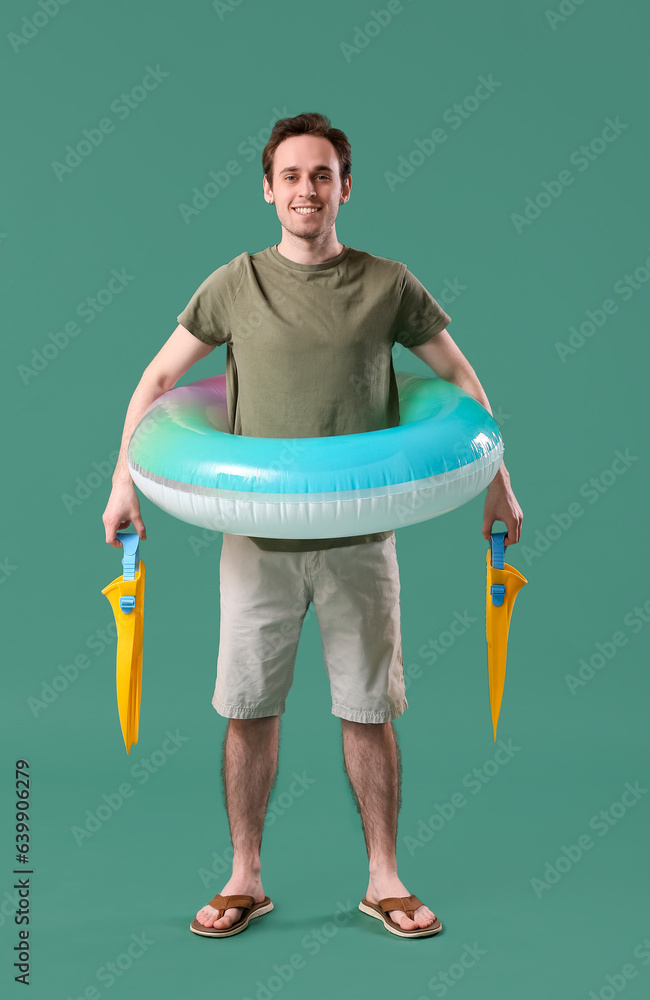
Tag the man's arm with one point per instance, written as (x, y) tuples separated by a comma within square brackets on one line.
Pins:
[(171, 362), (447, 360), (443, 356), (174, 358)]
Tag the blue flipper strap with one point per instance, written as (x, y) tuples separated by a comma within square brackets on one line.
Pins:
[(497, 548), (131, 563)]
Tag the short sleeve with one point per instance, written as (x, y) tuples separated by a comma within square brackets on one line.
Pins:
[(419, 317), (207, 314)]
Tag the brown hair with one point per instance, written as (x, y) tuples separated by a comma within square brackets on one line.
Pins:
[(309, 123)]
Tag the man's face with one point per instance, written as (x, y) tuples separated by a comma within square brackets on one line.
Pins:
[(306, 173)]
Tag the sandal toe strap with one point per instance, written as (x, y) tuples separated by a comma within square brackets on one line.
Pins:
[(223, 903), (407, 903)]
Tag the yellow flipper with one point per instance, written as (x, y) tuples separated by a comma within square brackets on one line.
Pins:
[(126, 596), (507, 582)]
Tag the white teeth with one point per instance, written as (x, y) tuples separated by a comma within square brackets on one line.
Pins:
[(305, 211)]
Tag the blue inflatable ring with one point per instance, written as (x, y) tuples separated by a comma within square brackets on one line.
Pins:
[(445, 451)]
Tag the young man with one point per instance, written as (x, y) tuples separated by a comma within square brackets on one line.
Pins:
[(309, 325)]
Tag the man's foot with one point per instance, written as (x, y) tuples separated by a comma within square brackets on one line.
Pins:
[(251, 886), (381, 886)]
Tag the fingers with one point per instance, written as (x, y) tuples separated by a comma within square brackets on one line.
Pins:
[(111, 532), (112, 527), (138, 524), (514, 530), (512, 518)]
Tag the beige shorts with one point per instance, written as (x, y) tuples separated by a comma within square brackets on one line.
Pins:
[(265, 595)]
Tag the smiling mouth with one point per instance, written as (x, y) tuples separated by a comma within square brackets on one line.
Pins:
[(312, 211)]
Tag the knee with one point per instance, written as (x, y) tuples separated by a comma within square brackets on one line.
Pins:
[(361, 726), (258, 722)]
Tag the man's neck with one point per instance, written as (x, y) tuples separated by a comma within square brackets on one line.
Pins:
[(307, 252)]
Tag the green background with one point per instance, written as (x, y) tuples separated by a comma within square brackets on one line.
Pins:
[(158, 858)]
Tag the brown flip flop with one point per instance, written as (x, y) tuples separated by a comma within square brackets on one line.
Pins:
[(407, 903), (221, 904)]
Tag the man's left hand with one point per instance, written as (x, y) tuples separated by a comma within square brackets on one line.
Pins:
[(501, 505)]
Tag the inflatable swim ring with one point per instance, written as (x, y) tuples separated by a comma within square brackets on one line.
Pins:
[(445, 451)]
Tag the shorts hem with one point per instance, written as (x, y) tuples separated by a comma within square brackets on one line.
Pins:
[(239, 712), (366, 715)]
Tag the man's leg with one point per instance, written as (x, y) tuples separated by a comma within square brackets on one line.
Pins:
[(264, 599), (249, 770), (373, 766)]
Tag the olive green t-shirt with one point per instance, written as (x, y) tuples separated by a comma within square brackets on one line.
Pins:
[(309, 347)]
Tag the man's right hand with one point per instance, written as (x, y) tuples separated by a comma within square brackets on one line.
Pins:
[(174, 358), (122, 509)]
